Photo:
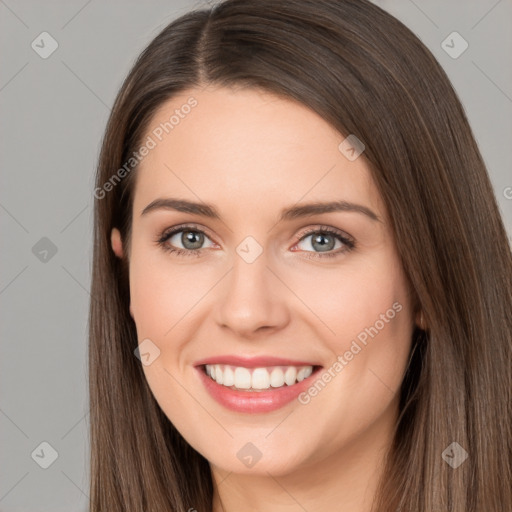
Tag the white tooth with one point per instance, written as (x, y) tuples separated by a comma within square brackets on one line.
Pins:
[(260, 378), (228, 376), (277, 378), (242, 378), (290, 375), (257, 378), (218, 374)]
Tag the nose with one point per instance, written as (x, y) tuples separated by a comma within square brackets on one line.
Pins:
[(252, 299)]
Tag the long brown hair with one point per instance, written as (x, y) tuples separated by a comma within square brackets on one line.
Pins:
[(367, 74)]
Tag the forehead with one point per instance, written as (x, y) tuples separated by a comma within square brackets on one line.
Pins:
[(247, 148)]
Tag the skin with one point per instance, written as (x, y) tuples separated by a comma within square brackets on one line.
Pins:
[(251, 154)]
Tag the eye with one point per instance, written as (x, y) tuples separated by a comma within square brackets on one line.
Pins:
[(184, 241), (321, 241)]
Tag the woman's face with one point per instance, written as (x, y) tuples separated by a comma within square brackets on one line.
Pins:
[(266, 287)]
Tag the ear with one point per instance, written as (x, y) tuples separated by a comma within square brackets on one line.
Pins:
[(117, 244), (420, 320), (117, 247)]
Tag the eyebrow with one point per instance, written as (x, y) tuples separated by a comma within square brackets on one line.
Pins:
[(287, 214)]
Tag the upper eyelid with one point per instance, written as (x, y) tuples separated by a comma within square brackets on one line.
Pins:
[(183, 227), (324, 229)]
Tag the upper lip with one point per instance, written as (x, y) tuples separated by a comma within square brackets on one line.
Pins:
[(253, 362)]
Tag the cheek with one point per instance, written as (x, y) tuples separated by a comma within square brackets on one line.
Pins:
[(163, 292), (162, 297), (363, 313), (150, 299), (369, 313), (348, 299)]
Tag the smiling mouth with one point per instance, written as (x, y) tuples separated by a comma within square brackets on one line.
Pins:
[(240, 378)]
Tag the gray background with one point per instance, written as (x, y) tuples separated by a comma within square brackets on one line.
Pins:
[(53, 114)]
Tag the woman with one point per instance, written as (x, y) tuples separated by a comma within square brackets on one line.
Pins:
[(301, 281)]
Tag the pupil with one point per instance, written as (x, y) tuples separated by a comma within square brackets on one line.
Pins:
[(193, 238), (321, 239)]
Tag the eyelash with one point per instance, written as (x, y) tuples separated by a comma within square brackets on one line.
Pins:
[(166, 235)]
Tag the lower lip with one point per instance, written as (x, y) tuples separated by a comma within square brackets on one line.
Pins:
[(254, 401)]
